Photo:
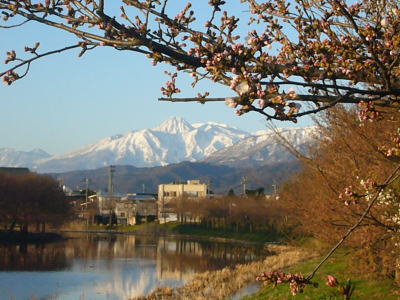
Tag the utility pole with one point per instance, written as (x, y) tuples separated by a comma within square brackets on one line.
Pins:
[(86, 191), (209, 186), (86, 200), (244, 182), (111, 172)]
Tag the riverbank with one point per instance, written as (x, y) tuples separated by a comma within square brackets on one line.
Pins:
[(367, 287), (226, 282), (182, 230)]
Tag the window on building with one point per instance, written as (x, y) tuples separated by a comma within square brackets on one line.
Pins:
[(170, 194), (191, 194)]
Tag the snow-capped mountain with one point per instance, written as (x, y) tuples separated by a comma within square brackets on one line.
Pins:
[(13, 158), (263, 148), (173, 141)]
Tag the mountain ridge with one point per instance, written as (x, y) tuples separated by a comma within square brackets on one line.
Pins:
[(171, 142)]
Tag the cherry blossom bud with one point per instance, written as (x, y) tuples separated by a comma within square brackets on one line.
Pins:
[(239, 112), (331, 281), (262, 103)]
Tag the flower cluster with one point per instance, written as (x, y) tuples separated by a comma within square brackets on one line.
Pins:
[(11, 56), (170, 88), (393, 150), (297, 282), (368, 111), (10, 77)]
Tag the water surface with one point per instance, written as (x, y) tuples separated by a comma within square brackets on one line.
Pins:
[(112, 267)]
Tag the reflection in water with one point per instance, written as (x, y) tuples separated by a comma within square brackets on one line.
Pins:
[(100, 266)]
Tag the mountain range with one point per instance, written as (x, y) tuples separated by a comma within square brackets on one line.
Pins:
[(220, 179), (172, 142)]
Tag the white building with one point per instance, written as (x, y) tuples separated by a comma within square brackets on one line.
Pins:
[(173, 191)]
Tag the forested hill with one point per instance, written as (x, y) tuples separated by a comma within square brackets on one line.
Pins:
[(129, 179)]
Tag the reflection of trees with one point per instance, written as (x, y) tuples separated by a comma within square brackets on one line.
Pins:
[(24, 257), (110, 246), (177, 258)]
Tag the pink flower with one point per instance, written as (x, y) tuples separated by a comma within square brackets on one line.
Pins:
[(331, 281)]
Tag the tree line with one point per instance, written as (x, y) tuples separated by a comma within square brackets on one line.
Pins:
[(236, 213), (31, 201)]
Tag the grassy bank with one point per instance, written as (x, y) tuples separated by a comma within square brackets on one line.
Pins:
[(183, 229), (366, 286)]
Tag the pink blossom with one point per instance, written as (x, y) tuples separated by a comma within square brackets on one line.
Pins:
[(331, 281)]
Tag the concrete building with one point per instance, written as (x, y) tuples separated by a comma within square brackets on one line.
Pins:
[(167, 193), (136, 208)]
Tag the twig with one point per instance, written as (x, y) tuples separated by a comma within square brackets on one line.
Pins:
[(13, 26), (28, 61)]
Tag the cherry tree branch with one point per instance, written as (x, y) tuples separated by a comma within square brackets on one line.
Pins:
[(301, 98)]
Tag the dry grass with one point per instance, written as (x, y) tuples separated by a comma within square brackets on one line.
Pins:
[(224, 283)]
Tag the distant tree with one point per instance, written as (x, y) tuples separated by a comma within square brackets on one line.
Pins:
[(31, 199), (256, 193)]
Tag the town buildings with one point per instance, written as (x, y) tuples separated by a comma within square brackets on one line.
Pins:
[(136, 208), (169, 196)]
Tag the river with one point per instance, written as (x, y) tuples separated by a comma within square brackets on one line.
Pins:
[(110, 266)]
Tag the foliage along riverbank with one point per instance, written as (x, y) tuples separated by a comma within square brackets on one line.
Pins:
[(226, 282)]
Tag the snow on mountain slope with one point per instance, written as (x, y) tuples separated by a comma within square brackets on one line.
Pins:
[(263, 148), (173, 141), (13, 158)]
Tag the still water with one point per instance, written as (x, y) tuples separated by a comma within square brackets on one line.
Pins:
[(112, 267)]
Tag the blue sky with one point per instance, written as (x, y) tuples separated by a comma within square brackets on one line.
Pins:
[(67, 102)]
